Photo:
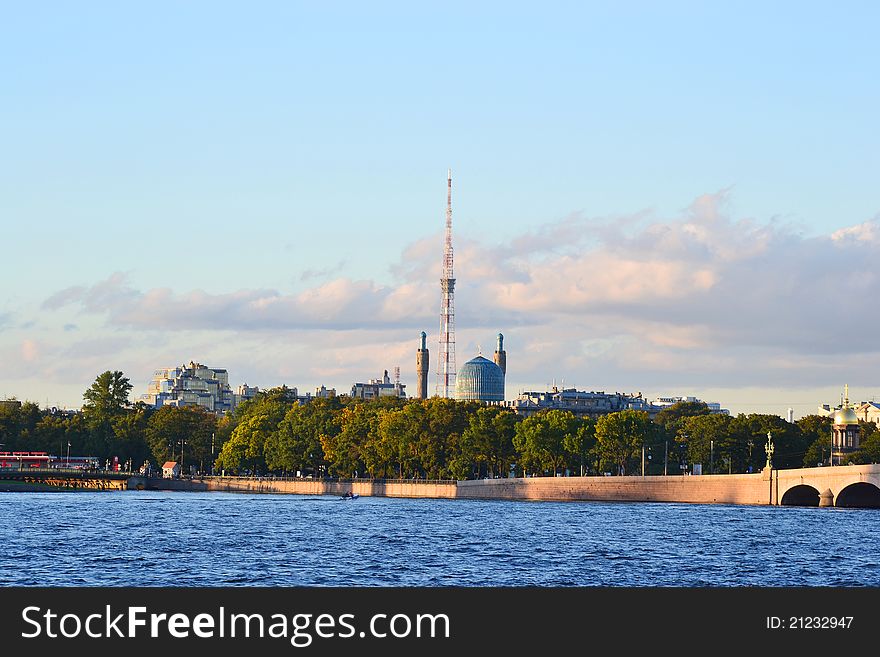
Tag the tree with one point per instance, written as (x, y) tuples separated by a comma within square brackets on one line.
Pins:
[(243, 438), (422, 454), (445, 420), (377, 452), (620, 436), (790, 446), (540, 440), (531, 440), (474, 449), (469, 452), (129, 442), (181, 433), (18, 426), (502, 452), (671, 419), (344, 450), (296, 445), (50, 434), (399, 436), (79, 434), (225, 426), (869, 447), (486, 445), (245, 449), (866, 430), (107, 396), (105, 400), (708, 440), (579, 444), (10, 426), (816, 431)]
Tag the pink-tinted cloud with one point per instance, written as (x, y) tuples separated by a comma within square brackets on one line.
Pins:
[(869, 231), (641, 297), (30, 351)]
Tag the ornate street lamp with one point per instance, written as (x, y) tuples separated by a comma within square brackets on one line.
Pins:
[(769, 448)]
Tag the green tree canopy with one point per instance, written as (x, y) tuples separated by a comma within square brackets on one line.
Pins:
[(816, 431), (620, 437), (107, 396), (672, 417), (707, 437), (245, 449), (296, 444), (541, 439), (182, 434), (789, 443), (869, 448), (580, 444), (343, 450)]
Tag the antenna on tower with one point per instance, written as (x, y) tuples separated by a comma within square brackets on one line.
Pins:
[(446, 356)]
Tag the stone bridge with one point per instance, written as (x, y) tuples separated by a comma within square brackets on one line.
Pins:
[(842, 486)]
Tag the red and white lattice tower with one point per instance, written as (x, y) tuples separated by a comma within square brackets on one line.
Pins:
[(446, 357)]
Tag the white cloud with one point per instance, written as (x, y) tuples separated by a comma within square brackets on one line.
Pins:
[(868, 231), (619, 302)]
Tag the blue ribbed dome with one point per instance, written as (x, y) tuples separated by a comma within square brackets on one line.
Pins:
[(480, 379)]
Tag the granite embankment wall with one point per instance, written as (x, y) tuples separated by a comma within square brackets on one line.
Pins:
[(705, 489), (365, 488), (718, 489)]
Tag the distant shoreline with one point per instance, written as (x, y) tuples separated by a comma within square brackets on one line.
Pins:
[(841, 486)]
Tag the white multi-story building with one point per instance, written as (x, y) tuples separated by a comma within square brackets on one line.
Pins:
[(192, 385), (324, 393), (376, 388), (714, 407), (869, 411), (246, 392)]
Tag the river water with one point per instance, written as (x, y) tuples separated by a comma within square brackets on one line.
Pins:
[(227, 539)]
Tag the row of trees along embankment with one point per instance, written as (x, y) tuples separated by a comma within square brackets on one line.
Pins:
[(433, 439)]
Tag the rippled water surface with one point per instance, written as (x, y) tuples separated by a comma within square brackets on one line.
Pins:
[(225, 539)]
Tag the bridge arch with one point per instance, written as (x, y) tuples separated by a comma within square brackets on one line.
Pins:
[(859, 495), (800, 495)]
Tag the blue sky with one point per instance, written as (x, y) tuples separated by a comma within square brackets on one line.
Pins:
[(232, 153)]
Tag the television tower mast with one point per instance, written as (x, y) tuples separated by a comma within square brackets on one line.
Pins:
[(446, 355)]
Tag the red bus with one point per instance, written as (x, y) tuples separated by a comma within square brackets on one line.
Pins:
[(24, 460), (44, 460)]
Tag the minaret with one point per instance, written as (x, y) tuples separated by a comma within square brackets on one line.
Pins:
[(446, 357), (501, 355), (422, 368)]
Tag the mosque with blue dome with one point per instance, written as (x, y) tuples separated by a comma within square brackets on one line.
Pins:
[(479, 379)]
